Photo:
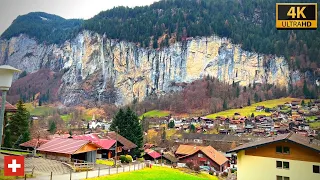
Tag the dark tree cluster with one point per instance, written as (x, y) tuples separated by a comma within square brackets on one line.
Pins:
[(44, 27)]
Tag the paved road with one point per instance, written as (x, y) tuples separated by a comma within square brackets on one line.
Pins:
[(91, 174)]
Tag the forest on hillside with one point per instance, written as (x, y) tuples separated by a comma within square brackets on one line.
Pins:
[(209, 95), (250, 23)]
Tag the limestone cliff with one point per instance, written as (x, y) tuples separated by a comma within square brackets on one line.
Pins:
[(100, 69)]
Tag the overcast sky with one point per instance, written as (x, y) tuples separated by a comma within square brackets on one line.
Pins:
[(10, 9)]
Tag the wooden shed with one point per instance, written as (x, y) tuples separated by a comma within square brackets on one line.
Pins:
[(68, 150)]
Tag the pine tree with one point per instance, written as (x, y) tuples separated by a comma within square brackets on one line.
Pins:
[(163, 135), (192, 128), (19, 122), (52, 127), (171, 124), (7, 139), (225, 105), (25, 136), (129, 127)]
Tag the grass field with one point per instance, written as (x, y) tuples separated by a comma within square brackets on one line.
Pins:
[(14, 152), (315, 125), (105, 162), (158, 173), (155, 113), (39, 110), (247, 111), (2, 177)]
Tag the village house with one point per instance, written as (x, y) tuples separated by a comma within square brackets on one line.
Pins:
[(202, 156), (33, 143), (286, 157), (68, 149), (151, 154)]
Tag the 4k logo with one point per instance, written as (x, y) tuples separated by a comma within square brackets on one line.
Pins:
[(296, 15)]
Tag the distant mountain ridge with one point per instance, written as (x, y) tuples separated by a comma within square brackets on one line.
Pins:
[(124, 55), (47, 28), (250, 23)]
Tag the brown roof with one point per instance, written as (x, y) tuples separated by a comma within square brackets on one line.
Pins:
[(126, 143), (291, 137), (9, 107), (170, 157), (209, 151), (34, 142), (64, 145)]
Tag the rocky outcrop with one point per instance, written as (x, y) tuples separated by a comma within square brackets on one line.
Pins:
[(100, 69)]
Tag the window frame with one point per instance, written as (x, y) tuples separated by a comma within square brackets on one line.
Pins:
[(282, 177), (277, 177), (277, 148), (283, 166), (315, 167), (200, 155), (278, 164), (283, 151)]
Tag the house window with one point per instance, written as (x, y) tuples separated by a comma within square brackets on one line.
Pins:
[(286, 150), (279, 149), (282, 178), (279, 164), (316, 169), (283, 165), (283, 149), (200, 155)]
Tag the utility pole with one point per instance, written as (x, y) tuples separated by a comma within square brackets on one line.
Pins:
[(116, 149)]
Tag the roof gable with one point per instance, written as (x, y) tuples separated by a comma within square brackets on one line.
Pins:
[(209, 151), (8, 107), (292, 137)]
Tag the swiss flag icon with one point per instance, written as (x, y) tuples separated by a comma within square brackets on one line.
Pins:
[(14, 165)]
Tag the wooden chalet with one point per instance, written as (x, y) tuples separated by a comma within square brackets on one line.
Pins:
[(202, 156), (69, 149), (33, 143)]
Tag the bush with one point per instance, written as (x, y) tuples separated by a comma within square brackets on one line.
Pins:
[(190, 164), (211, 172), (123, 159), (141, 159), (224, 174), (128, 159), (196, 168), (233, 170)]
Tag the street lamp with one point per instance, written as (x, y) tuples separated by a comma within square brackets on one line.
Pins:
[(6, 76)]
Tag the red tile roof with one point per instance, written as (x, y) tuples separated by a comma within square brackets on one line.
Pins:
[(64, 145), (127, 144), (152, 153), (214, 155), (34, 142), (104, 143), (9, 107)]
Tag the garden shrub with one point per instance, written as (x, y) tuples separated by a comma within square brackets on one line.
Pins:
[(123, 159), (128, 159), (211, 172), (141, 159), (196, 168), (190, 164)]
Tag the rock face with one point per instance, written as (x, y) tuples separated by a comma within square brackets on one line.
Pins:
[(100, 69)]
